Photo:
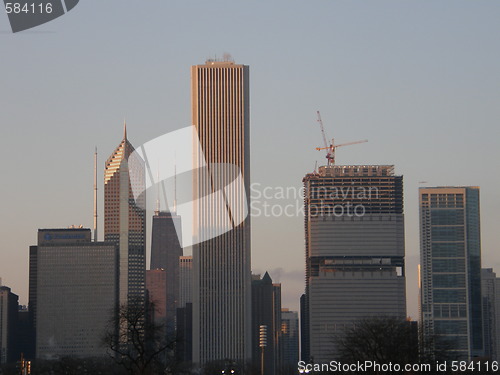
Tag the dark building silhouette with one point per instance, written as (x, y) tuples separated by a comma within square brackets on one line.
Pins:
[(305, 353), (25, 337), (165, 252), (490, 291), (266, 310), (185, 310), (184, 346), (156, 286), (289, 340), (8, 325)]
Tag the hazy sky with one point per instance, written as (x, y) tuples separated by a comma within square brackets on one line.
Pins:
[(419, 79)]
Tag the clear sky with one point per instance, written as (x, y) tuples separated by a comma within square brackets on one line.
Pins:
[(419, 79)]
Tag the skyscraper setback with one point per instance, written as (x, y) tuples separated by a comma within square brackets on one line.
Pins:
[(125, 218), (354, 231), (221, 265)]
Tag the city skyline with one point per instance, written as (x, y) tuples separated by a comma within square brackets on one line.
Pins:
[(412, 79)]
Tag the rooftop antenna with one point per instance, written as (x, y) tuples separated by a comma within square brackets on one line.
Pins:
[(175, 186), (157, 210), (95, 195)]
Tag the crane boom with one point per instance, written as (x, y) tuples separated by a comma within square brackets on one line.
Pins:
[(342, 144), (322, 130), (330, 155)]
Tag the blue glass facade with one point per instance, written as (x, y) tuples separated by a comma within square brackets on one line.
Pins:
[(451, 269)]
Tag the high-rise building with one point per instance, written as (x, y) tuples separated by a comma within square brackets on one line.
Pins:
[(450, 254), (8, 325), (221, 265), (289, 340), (165, 252), (266, 311), (490, 293), (76, 288), (185, 310), (156, 286), (355, 249), (125, 217), (185, 280)]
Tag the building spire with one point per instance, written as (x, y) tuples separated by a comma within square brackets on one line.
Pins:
[(124, 129), (95, 195), (175, 188), (157, 210)]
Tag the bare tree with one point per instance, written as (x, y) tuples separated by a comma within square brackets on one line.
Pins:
[(390, 340), (380, 339), (137, 343)]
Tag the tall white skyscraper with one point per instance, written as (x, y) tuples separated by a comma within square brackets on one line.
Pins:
[(222, 279)]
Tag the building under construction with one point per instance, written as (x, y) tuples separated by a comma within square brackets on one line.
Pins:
[(354, 247)]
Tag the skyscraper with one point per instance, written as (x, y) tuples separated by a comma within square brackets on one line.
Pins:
[(185, 280), (165, 252), (76, 292), (354, 229), (125, 218), (450, 254), (490, 292), (156, 286), (8, 325), (221, 265), (289, 344), (266, 310), (185, 310)]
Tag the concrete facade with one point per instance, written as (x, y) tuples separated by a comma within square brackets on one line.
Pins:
[(76, 293), (355, 252)]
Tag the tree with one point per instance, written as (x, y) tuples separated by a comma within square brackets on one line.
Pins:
[(381, 339), (137, 343), (391, 340)]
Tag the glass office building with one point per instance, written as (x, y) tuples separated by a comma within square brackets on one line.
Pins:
[(450, 278)]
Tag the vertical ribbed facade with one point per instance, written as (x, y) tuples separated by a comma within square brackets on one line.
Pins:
[(221, 265), (354, 232), (185, 280), (450, 255), (125, 218)]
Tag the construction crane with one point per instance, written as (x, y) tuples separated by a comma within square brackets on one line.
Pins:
[(330, 155)]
